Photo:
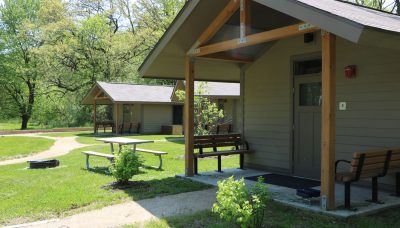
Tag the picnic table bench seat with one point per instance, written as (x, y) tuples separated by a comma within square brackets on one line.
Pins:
[(154, 152), (110, 157), (364, 165), (241, 147)]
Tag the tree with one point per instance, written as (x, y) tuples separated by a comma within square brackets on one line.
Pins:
[(22, 23), (53, 51), (392, 6), (206, 112)]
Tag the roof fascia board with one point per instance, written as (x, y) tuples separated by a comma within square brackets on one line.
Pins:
[(144, 102), (186, 11), (87, 94), (233, 97), (197, 79), (342, 27)]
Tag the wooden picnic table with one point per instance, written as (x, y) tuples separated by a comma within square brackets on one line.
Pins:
[(121, 141)]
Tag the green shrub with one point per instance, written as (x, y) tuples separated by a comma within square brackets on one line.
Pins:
[(237, 203), (126, 165)]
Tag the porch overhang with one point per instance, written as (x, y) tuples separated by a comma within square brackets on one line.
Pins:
[(166, 59), (180, 55)]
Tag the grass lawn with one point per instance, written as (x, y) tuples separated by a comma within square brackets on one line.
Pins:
[(278, 215), (16, 125), (27, 195), (21, 146)]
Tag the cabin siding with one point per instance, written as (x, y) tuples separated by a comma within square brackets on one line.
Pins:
[(155, 116), (237, 119), (372, 118), (134, 113), (268, 105)]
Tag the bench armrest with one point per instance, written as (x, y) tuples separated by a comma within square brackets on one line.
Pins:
[(338, 161)]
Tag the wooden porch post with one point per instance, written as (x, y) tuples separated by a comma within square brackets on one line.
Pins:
[(328, 153), (94, 116), (116, 120), (189, 116)]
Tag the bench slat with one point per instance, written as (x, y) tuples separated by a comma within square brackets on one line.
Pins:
[(370, 167), (211, 140), (150, 151), (217, 136), (371, 153), (205, 146), (92, 153), (223, 153), (369, 161)]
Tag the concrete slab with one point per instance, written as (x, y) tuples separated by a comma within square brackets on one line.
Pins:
[(287, 196)]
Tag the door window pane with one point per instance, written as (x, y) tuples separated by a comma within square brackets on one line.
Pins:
[(313, 66), (310, 94)]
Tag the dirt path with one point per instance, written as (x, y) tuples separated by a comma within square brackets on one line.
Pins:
[(62, 145), (135, 212)]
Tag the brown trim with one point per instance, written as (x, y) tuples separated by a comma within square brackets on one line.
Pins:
[(189, 116), (101, 98), (197, 79), (328, 135), (94, 116), (225, 57), (250, 40), (218, 22)]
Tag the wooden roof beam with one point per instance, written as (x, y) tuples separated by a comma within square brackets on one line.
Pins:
[(218, 22), (225, 57), (250, 40), (101, 98)]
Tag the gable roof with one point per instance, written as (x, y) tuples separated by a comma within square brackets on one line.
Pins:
[(362, 15), (351, 22), (131, 93), (155, 94), (342, 18)]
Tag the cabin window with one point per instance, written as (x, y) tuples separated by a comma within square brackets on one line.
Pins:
[(304, 67)]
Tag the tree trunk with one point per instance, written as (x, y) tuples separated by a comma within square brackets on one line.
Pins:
[(25, 119), (31, 100)]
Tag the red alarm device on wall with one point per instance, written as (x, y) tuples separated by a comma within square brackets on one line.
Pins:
[(350, 71)]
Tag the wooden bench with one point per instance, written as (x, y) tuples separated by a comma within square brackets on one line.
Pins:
[(156, 153), (364, 165), (223, 129), (394, 167), (104, 124), (215, 141), (110, 157), (129, 128)]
